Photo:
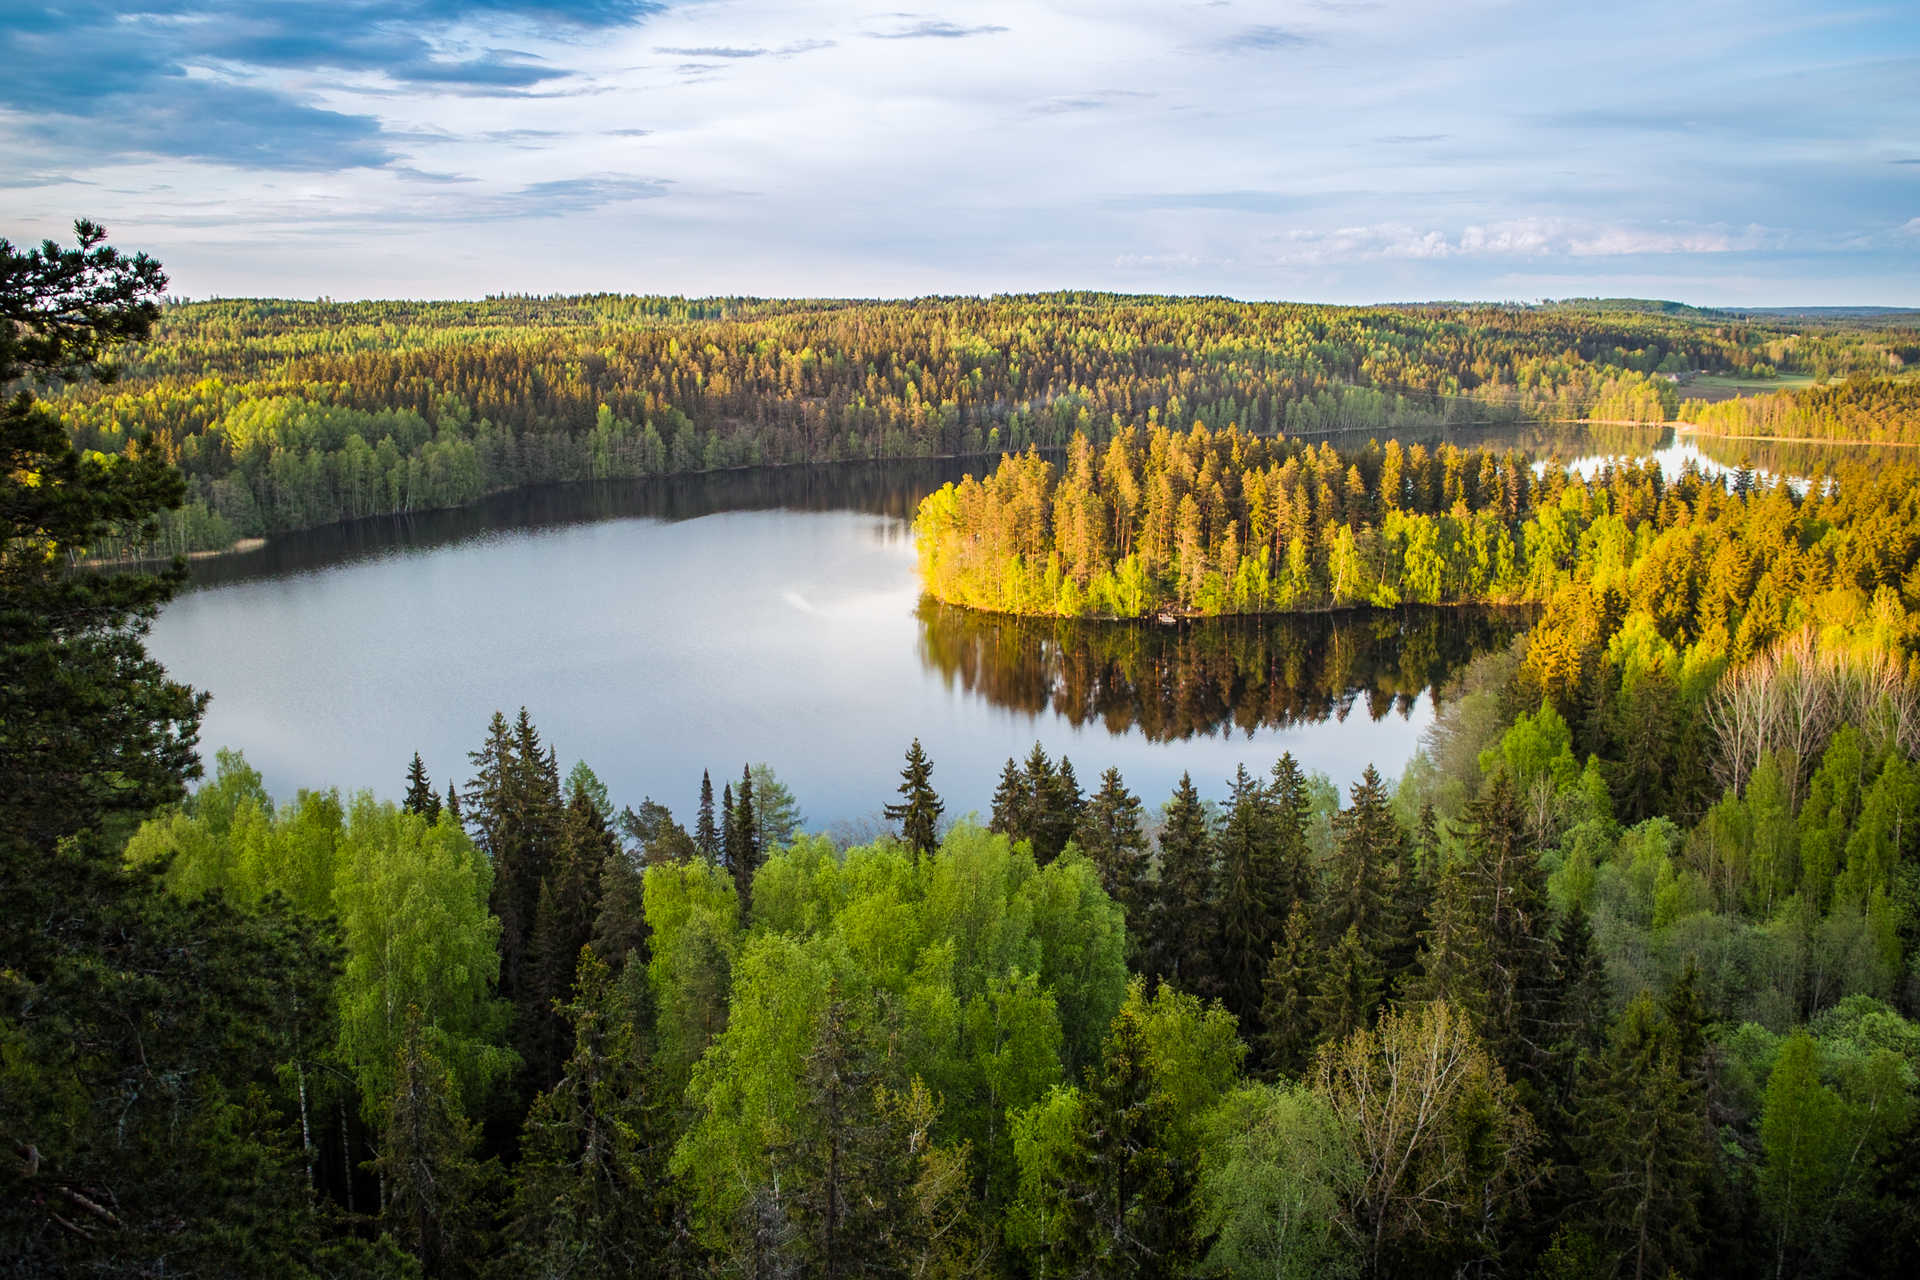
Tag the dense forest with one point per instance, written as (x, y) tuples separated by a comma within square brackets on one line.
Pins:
[(1211, 523), (1619, 979), (286, 415), (1880, 410)]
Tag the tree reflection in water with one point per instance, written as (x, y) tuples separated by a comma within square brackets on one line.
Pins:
[(1209, 676)]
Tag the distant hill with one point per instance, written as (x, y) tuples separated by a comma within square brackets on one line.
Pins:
[(1826, 313)]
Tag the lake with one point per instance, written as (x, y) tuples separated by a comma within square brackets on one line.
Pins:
[(657, 628)]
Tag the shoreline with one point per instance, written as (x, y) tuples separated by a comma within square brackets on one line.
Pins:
[(1690, 429)]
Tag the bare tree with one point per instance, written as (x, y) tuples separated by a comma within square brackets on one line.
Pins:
[(1794, 697)]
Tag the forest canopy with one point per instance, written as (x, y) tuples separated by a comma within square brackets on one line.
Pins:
[(283, 415), (1620, 978)]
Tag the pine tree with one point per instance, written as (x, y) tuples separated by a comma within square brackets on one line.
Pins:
[(706, 836), (919, 810), (1186, 926), (143, 1032), (453, 803), (660, 838), (1111, 834), (421, 797), (428, 1173)]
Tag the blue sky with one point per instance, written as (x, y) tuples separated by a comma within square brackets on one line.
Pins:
[(1736, 153)]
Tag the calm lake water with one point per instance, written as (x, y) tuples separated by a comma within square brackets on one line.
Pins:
[(657, 628)]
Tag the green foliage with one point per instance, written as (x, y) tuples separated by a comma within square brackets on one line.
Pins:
[(589, 1197), (919, 810), (140, 1032), (1274, 1174), (411, 901)]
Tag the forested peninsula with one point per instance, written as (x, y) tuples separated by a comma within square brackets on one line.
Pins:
[(283, 415), (1209, 523), (1618, 979)]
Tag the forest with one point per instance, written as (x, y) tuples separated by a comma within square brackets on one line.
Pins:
[(1860, 409), (1617, 979), (287, 415)]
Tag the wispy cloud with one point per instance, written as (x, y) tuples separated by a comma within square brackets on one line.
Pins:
[(710, 51), (933, 29), (1294, 153), (1263, 39)]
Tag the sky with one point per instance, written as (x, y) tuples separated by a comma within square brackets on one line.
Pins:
[(1763, 152)]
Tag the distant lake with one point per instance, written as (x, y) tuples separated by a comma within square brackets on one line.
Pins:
[(656, 628)]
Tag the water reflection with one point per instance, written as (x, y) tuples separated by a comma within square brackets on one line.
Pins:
[(878, 488), (1211, 676)]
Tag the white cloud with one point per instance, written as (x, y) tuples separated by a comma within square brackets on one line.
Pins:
[(1396, 149)]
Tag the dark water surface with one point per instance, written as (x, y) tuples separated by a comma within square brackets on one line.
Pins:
[(655, 628)]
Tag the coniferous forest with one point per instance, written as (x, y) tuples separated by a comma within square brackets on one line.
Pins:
[(285, 415), (1618, 979)]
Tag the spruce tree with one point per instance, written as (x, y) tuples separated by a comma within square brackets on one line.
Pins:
[(590, 1196), (1249, 923), (1366, 848), (919, 810), (421, 797), (1058, 806), (1454, 963), (742, 839), (847, 1172), (1291, 808), (1287, 995), (1011, 804), (1111, 832), (569, 908), (1522, 981), (706, 835), (1186, 925), (620, 925), (514, 806), (1413, 891), (429, 1176), (1349, 990), (1124, 1198), (1643, 1146)]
